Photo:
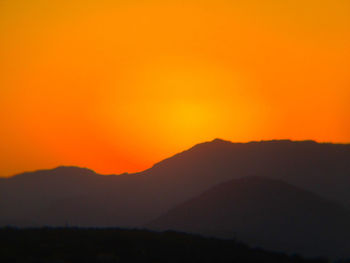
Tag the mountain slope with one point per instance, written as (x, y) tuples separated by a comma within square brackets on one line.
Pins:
[(267, 213), (322, 168), (80, 197), (77, 196)]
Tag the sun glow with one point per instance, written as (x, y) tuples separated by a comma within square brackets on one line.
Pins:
[(188, 119), (119, 85)]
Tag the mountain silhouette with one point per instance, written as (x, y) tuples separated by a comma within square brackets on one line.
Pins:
[(323, 168), (80, 197), (74, 196), (267, 213)]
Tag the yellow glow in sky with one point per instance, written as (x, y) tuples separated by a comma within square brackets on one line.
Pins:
[(119, 85)]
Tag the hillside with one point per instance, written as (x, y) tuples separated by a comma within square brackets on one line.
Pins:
[(80, 197), (266, 213)]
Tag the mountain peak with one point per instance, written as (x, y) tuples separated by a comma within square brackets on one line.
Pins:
[(58, 171), (219, 140), (63, 168)]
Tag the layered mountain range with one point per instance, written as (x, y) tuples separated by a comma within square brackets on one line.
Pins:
[(280, 195)]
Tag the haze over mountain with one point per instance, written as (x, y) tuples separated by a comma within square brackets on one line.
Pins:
[(267, 213)]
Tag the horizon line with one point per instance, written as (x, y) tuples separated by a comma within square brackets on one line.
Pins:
[(205, 142)]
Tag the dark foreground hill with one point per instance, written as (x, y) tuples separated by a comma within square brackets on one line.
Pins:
[(266, 213), (115, 245)]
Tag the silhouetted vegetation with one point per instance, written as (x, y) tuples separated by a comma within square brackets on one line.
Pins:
[(117, 245)]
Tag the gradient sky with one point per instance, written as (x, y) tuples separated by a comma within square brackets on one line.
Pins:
[(119, 85)]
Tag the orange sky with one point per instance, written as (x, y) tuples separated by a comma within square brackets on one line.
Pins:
[(119, 85)]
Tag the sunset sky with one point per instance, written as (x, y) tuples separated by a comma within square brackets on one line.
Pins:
[(119, 85)]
